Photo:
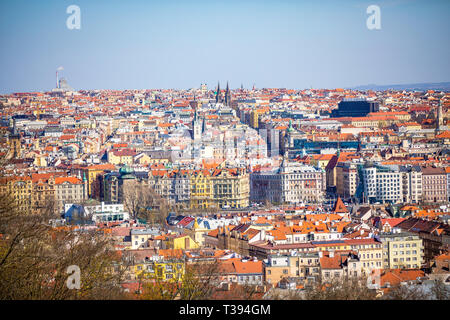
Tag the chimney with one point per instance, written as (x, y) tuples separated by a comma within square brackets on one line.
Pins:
[(331, 254), (263, 234)]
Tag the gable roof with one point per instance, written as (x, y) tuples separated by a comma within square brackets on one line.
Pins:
[(339, 206)]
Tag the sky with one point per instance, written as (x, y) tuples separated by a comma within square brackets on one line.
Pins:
[(145, 44)]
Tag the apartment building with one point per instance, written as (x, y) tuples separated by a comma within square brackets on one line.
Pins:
[(347, 179), (291, 183), (20, 190), (242, 271), (412, 191), (293, 265), (197, 189), (220, 188), (435, 236), (434, 181), (402, 250), (302, 183), (266, 186), (140, 237), (304, 264), (68, 190), (339, 264), (370, 251)]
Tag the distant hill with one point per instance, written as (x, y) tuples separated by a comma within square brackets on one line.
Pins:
[(443, 86)]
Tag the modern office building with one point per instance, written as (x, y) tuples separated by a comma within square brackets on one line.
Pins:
[(392, 183), (355, 108)]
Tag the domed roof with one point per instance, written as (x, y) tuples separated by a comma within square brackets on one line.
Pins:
[(126, 171), (290, 129)]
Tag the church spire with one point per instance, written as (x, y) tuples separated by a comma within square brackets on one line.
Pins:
[(204, 125), (227, 95), (218, 95)]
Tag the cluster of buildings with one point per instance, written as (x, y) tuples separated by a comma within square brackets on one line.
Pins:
[(280, 187)]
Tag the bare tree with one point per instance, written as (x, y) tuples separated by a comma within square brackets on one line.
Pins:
[(343, 288), (141, 201), (439, 290), (406, 292), (199, 282), (34, 258)]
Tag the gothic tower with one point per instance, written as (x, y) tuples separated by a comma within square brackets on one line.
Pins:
[(196, 127), (218, 94), (227, 96), (440, 119)]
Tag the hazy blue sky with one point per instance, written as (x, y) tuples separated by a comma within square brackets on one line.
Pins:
[(180, 44)]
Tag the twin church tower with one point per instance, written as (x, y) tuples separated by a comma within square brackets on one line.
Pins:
[(223, 99), (199, 125)]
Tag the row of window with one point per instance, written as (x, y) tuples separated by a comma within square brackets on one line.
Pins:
[(407, 245), (401, 253)]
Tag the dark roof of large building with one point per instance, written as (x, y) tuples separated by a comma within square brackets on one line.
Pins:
[(419, 225), (433, 171)]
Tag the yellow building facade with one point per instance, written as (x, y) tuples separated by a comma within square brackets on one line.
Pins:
[(160, 270), (221, 188), (402, 250)]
